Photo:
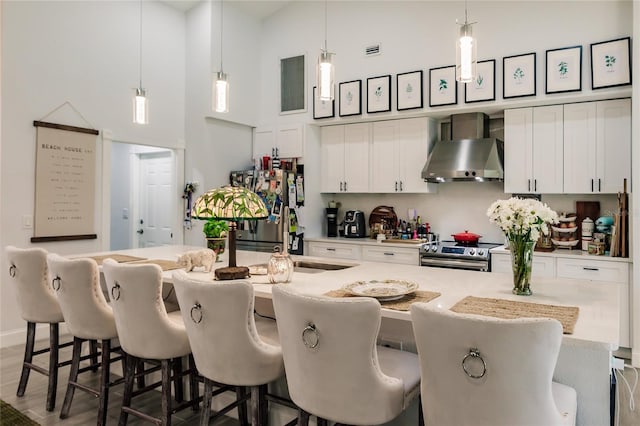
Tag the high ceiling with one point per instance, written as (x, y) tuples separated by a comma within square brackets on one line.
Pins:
[(258, 8)]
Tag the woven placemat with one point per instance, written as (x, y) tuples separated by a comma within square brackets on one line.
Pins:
[(166, 265), (398, 305), (509, 309), (120, 258)]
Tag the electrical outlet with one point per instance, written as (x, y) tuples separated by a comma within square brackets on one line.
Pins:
[(27, 221), (617, 363)]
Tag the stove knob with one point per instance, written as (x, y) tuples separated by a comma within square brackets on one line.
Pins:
[(480, 252), (434, 248), (472, 251)]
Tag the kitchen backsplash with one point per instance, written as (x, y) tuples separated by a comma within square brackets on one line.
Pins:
[(458, 206)]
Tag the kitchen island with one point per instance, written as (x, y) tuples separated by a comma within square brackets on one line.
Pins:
[(584, 360)]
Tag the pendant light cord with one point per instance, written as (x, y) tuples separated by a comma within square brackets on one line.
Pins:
[(140, 48), (465, 12), (221, 24), (325, 25)]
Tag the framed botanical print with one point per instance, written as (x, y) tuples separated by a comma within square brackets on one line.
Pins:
[(564, 70), (443, 87), (610, 63), (519, 76), (379, 94), (350, 98), (409, 90), (322, 109), (483, 86)]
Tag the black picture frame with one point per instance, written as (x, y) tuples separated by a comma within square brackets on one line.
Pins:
[(611, 63), (322, 109), (379, 94), (409, 92), (350, 98), (483, 86), (563, 70), (443, 86), (519, 75)]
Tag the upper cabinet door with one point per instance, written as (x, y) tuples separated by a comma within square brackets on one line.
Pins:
[(580, 148), (548, 150), (518, 146), (384, 157), (613, 149), (290, 141), (332, 159), (356, 157), (264, 142), (416, 137)]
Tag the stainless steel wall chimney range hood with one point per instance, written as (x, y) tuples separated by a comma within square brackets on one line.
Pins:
[(470, 154)]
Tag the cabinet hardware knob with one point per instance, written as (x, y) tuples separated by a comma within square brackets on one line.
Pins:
[(401, 186), (396, 186), (331, 249), (590, 269)]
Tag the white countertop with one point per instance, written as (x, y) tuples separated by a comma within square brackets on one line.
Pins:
[(573, 254), (599, 303)]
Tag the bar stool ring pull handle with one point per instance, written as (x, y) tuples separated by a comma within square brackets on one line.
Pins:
[(310, 336), (55, 281), (197, 308), (474, 353), (12, 271), (115, 291)]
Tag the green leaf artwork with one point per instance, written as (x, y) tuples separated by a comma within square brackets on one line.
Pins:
[(609, 60), (443, 85), (409, 88), (518, 74), (378, 92), (479, 80), (563, 68), (349, 97)]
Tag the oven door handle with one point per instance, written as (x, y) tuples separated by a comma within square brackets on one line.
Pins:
[(453, 263)]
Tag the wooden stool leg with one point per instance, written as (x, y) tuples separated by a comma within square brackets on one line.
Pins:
[(53, 365), (93, 350), (303, 417), (321, 421), (28, 357), (241, 392), (206, 403), (73, 377), (165, 416), (176, 364), (264, 405), (259, 407), (194, 390), (130, 363), (105, 365), (140, 369), (420, 413)]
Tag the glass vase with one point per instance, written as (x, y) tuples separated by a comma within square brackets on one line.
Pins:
[(521, 260)]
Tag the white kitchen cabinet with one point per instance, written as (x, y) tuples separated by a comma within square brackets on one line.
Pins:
[(533, 150), (540, 267), (344, 158), (284, 141), (380, 253), (399, 150), (597, 146), (338, 250)]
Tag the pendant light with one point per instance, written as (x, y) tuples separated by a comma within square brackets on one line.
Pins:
[(325, 69), (140, 104), (221, 84), (466, 51)]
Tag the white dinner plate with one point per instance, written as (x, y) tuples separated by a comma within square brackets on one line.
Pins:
[(383, 290)]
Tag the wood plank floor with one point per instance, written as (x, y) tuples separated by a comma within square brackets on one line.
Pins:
[(84, 408)]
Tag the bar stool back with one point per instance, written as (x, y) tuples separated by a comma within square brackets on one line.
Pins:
[(38, 305), (334, 369), (89, 318), (146, 332), (489, 371)]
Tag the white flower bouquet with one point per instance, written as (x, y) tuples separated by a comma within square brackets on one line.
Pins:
[(522, 221)]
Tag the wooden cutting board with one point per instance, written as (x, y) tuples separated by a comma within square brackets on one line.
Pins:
[(586, 209)]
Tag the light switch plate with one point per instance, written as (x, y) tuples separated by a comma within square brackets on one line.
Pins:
[(27, 221)]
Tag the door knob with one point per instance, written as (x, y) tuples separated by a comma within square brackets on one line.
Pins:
[(140, 231)]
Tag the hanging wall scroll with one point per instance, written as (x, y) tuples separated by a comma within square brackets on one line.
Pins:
[(65, 183)]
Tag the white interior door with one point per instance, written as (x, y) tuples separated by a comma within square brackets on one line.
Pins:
[(155, 199)]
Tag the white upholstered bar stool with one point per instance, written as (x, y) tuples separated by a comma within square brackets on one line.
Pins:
[(485, 371), (227, 345), (334, 369), (89, 318), (38, 305), (147, 332)]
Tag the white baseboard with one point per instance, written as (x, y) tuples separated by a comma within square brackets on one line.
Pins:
[(19, 336)]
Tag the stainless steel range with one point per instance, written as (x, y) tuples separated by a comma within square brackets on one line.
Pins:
[(449, 254)]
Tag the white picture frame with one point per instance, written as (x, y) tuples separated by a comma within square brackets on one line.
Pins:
[(610, 63), (564, 70), (322, 109), (483, 86), (443, 87), (350, 95), (379, 94), (519, 76), (409, 93)]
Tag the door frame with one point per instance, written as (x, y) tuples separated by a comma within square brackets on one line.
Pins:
[(178, 156)]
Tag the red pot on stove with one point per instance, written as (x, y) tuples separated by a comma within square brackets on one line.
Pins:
[(466, 237)]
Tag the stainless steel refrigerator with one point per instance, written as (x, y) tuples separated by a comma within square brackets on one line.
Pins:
[(277, 188)]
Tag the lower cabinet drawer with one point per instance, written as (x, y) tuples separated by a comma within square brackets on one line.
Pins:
[(341, 251), (541, 266), (591, 269), (404, 256)]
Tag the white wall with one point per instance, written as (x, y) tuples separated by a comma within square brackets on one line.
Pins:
[(120, 197), (85, 53)]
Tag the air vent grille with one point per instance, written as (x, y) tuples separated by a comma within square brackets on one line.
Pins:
[(372, 50)]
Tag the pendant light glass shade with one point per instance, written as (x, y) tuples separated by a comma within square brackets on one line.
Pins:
[(466, 54), (140, 107), (221, 92), (325, 76)]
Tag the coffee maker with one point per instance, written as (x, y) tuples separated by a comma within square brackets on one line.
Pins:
[(332, 221), (354, 224)]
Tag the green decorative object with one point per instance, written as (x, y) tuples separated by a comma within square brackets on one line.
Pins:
[(479, 80), (563, 68), (609, 60), (518, 74), (443, 84), (521, 260)]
